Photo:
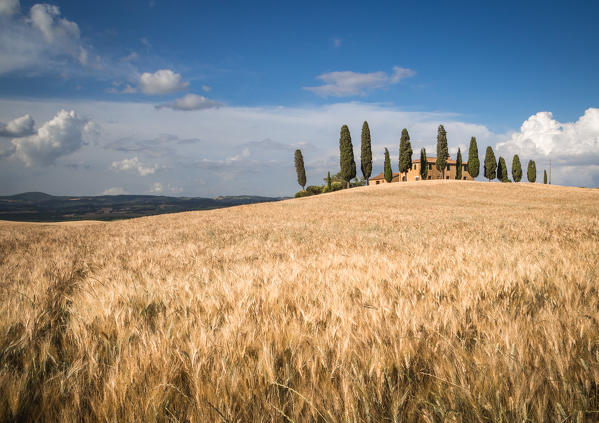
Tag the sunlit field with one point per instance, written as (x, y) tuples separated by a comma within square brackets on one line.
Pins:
[(425, 301)]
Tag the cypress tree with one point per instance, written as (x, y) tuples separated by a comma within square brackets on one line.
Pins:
[(516, 169), (299, 168), (531, 173), (545, 176), (388, 171), (442, 151), (458, 172), (473, 161), (346, 156), (329, 182), (490, 164), (405, 152), (366, 152), (423, 164), (502, 170)]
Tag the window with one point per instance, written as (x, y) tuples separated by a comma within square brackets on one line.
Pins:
[(415, 167), (430, 167), (466, 167), (447, 177), (448, 167), (429, 177), (464, 178)]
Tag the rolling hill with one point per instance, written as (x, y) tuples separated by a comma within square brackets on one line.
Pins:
[(40, 207), (425, 301)]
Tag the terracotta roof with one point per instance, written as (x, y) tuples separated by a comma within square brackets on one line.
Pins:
[(382, 176)]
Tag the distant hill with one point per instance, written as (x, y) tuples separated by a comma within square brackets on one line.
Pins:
[(41, 207)]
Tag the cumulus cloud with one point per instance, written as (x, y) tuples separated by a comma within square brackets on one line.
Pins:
[(163, 81), (114, 191), (348, 83), (191, 102), (62, 135), (135, 165), (541, 137), (39, 38), (9, 7), (159, 188), (18, 127)]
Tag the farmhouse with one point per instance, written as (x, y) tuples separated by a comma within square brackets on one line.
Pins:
[(414, 173)]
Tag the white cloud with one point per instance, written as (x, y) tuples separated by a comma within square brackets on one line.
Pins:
[(206, 88), (163, 81), (46, 18), (18, 127), (114, 191), (38, 40), (191, 102), (571, 145), (62, 135), (348, 83), (135, 165), (156, 188), (9, 7), (542, 135)]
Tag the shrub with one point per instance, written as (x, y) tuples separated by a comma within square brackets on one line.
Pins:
[(314, 189), (303, 193)]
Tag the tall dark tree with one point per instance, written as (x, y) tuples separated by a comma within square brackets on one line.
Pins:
[(490, 164), (329, 182), (442, 151), (405, 152), (502, 170), (531, 172), (423, 164), (545, 176), (458, 163), (516, 169), (346, 156), (473, 161), (366, 153), (388, 171), (299, 168)]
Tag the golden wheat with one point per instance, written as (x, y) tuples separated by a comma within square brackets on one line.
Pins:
[(427, 301)]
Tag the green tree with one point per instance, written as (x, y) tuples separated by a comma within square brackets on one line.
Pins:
[(473, 161), (516, 169), (346, 156), (366, 153), (442, 151), (299, 168), (545, 176), (490, 164), (531, 173), (405, 152), (458, 171), (388, 171), (329, 182), (502, 170), (423, 164)]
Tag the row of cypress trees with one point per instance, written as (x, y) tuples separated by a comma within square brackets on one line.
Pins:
[(498, 169), (492, 168)]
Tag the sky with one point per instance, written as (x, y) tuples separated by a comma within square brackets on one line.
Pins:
[(204, 99)]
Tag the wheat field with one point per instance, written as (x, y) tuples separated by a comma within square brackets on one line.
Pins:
[(427, 301)]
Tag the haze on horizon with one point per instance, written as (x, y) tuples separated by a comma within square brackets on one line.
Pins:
[(147, 97)]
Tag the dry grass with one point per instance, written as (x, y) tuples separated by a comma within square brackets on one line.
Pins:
[(445, 301)]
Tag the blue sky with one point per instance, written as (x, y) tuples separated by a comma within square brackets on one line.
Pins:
[(237, 86)]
